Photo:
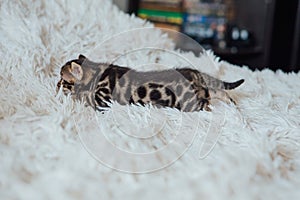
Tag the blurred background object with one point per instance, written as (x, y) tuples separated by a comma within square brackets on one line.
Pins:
[(257, 33)]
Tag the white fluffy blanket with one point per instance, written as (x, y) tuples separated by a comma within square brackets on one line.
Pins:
[(54, 148)]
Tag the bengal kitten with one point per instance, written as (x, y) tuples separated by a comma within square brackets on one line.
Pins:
[(99, 84)]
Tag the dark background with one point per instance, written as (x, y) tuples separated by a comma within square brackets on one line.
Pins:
[(276, 26)]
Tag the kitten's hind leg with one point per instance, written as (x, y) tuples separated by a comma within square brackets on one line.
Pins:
[(204, 105), (221, 95), (203, 98)]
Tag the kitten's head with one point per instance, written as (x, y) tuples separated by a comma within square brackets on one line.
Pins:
[(71, 73)]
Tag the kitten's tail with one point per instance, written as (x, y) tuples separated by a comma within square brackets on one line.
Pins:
[(230, 86), (215, 83)]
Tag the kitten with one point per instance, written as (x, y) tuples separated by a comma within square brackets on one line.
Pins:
[(99, 83)]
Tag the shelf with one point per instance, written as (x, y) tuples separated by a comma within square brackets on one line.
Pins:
[(234, 51)]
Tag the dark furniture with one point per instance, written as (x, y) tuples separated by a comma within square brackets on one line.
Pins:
[(276, 27)]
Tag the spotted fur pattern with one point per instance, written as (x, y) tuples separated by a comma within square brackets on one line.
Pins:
[(98, 84)]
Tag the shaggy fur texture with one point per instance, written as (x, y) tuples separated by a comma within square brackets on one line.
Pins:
[(42, 156)]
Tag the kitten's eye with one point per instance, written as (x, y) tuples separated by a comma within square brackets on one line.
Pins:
[(71, 82)]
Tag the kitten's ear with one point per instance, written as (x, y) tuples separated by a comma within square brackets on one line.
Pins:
[(76, 71), (81, 57)]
